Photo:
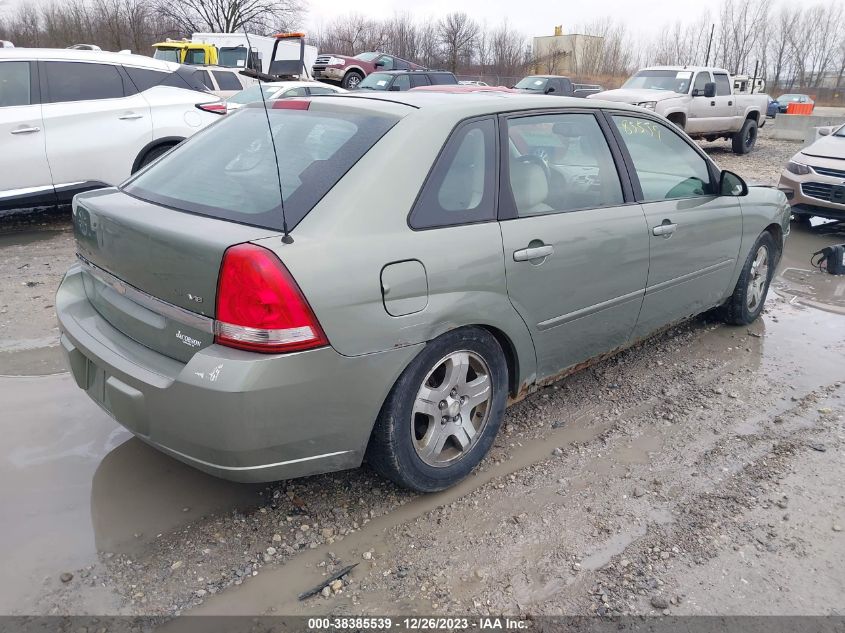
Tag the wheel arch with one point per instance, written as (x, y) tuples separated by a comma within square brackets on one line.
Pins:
[(776, 231), (355, 69), (678, 117), (159, 142), (754, 115)]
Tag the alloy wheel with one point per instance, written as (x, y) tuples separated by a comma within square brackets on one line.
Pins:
[(451, 408), (757, 279)]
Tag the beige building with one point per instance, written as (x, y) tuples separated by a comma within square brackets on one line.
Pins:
[(560, 54)]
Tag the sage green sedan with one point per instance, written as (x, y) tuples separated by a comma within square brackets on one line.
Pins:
[(430, 258)]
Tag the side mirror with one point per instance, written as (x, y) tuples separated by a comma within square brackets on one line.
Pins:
[(549, 91), (379, 64), (710, 90), (824, 131), (732, 185), (394, 88)]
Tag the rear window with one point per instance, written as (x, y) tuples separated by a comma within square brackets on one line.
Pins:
[(315, 149)]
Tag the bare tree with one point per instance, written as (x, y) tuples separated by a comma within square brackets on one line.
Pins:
[(457, 33), (230, 16)]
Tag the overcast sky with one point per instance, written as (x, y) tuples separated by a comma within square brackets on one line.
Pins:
[(532, 17)]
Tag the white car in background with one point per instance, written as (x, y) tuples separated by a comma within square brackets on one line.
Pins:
[(279, 89), (74, 120)]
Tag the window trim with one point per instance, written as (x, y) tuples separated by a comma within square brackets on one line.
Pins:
[(440, 154), (507, 202), (712, 170), (46, 98)]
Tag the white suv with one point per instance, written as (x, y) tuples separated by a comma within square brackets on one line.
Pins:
[(73, 120)]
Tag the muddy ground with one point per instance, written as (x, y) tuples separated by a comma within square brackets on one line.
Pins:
[(698, 473)]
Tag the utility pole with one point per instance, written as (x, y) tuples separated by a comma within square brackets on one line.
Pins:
[(709, 44)]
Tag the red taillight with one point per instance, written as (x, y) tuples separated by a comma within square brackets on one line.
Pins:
[(215, 107), (260, 307), (291, 103)]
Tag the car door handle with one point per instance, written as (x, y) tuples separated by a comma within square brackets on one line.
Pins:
[(130, 116), (26, 130), (665, 229), (533, 252), (730, 102)]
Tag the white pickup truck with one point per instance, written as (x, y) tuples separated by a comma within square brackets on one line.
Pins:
[(698, 100)]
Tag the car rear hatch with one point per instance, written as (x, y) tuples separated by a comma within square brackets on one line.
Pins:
[(151, 272), (152, 250)]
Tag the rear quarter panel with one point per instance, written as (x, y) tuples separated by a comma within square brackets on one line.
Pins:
[(174, 111)]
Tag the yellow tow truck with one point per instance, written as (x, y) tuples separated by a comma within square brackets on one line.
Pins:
[(186, 52)]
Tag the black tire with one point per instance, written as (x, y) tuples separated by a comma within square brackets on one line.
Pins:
[(802, 220), (744, 140), (351, 80), (392, 451), (152, 154), (736, 309)]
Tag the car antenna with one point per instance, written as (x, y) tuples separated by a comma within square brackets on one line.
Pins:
[(286, 236)]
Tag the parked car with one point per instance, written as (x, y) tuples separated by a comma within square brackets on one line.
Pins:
[(406, 79), (698, 100), (350, 71), (220, 80), (6, 44), (92, 120), (546, 84), (279, 89), (259, 341), (773, 108), (468, 82), (814, 179), (785, 100)]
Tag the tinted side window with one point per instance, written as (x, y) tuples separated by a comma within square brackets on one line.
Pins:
[(701, 80), (402, 82), (226, 80), (316, 90), (723, 84), (186, 77), (77, 81), (399, 64), (205, 78), (442, 78), (666, 166), (15, 84), (459, 189), (561, 162), (419, 80), (144, 79), (387, 62), (294, 92)]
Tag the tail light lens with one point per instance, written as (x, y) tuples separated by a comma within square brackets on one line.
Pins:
[(291, 103), (260, 307), (215, 107)]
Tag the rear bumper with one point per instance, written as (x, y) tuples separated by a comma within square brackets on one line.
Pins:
[(237, 415)]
